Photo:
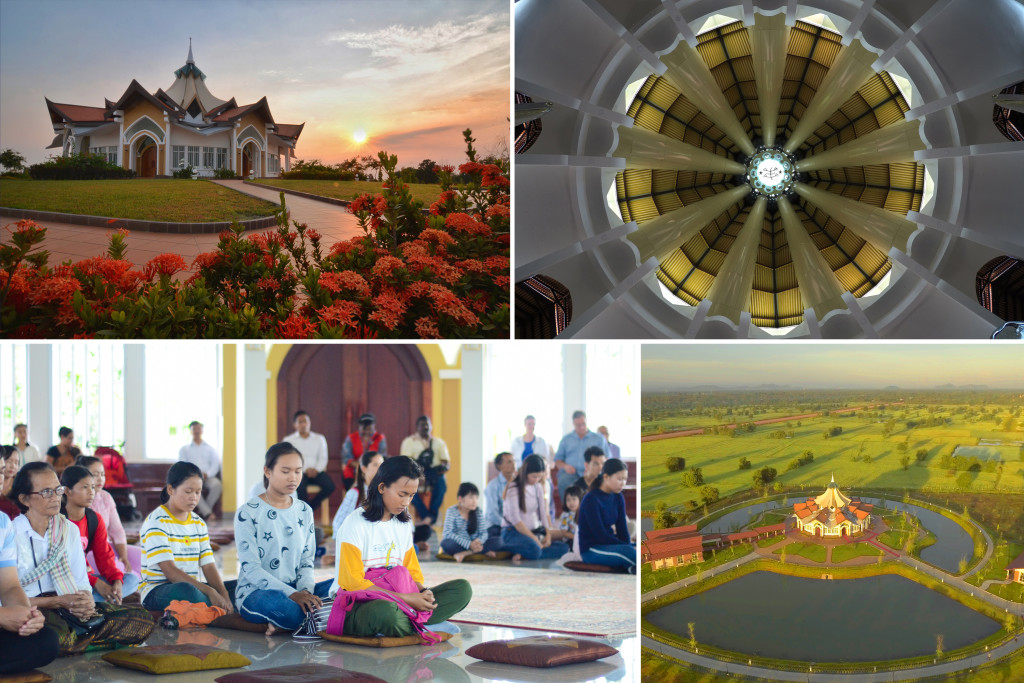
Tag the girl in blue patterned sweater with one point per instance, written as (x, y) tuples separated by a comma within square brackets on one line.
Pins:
[(464, 533)]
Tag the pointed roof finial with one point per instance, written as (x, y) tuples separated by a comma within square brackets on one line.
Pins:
[(190, 60), (833, 477)]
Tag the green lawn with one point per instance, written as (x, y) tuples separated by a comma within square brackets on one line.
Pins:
[(156, 199), (842, 553), (350, 189), (842, 455), (771, 540), (811, 551), (650, 580)]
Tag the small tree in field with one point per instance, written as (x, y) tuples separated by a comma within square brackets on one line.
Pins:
[(693, 638), (11, 160)]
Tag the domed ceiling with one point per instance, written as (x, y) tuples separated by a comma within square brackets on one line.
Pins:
[(775, 298), (712, 169)]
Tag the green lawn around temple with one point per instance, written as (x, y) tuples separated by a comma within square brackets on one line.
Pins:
[(810, 551), (860, 457), (350, 189), (153, 199), (842, 553)]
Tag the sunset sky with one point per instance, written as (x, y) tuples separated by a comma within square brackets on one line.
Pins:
[(411, 75), (831, 365)]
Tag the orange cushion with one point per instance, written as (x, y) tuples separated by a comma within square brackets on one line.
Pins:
[(383, 641)]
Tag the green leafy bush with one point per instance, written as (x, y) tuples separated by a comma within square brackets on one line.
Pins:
[(79, 167)]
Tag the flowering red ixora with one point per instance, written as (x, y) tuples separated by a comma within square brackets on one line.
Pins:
[(411, 274)]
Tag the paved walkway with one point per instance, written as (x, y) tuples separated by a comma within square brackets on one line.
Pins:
[(76, 242)]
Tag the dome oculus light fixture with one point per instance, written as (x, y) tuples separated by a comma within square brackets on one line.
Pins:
[(770, 173)]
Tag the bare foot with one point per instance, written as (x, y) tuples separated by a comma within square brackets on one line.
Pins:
[(271, 629), (491, 553), (212, 517), (517, 558), (460, 556)]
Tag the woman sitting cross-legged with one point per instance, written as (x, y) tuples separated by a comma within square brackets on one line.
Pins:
[(369, 461), (52, 570), (176, 546), (24, 643), (112, 584), (463, 527), (375, 548), (603, 533), (276, 545), (526, 524)]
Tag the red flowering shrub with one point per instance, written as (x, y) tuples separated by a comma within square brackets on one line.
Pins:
[(442, 273)]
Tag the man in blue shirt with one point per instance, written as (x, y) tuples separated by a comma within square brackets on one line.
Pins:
[(493, 494), (569, 457)]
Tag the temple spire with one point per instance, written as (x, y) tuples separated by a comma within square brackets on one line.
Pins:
[(190, 60)]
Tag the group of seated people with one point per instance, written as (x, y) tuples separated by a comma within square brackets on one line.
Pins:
[(55, 603)]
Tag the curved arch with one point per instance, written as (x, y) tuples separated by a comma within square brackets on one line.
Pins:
[(251, 132), (144, 124), (137, 148), (1000, 287), (526, 133), (1010, 122), (543, 307)]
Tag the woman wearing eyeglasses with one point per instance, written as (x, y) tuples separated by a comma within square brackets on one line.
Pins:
[(52, 570)]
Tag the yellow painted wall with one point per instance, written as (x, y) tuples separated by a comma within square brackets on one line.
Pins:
[(257, 121), (143, 108), (229, 405)]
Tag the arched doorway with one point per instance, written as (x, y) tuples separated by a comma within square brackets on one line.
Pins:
[(251, 159), (335, 384), (146, 158), (817, 532)]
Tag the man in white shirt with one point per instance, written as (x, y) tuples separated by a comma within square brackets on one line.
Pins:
[(431, 453), (313, 447), (205, 457), (29, 453)]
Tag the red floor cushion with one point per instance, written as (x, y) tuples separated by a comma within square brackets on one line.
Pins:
[(166, 659), (541, 651), (598, 568), (302, 673), (383, 641)]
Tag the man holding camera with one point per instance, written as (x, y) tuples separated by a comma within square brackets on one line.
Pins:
[(432, 455)]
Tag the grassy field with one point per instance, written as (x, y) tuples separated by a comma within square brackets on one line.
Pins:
[(842, 553), (185, 201), (349, 189), (771, 540), (862, 456), (651, 580), (811, 551)]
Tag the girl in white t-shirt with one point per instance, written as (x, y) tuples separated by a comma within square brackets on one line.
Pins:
[(379, 535)]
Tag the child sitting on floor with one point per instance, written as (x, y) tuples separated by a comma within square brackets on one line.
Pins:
[(376, 539), (569, 519), (276, 545), (464, 533), (604, 534), (176, 546)]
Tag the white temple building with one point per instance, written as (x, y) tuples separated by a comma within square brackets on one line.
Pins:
[(155, 134), (833, 514)]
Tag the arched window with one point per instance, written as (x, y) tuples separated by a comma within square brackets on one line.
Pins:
[(543, 308), (1010, 122), (1000, 287), (526, 133)]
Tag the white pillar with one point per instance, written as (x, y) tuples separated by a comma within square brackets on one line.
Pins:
[(287, 159), (730, 292), (167, 144), (134, 402), (476, 451), (769, 37), (642, 148), (39, 413), (119, 115), (232, 134), (574, 384), (251, 409), (888, 145)]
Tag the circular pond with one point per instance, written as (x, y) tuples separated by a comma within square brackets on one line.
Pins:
[(811, 620), (951, 541)]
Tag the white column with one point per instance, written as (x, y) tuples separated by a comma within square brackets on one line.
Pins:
[(134, 402), (231, 134), (883, 229), (730, 292), (769, 37), (251, 407), (574, 383), (39, 413), (119, 114), (287, 159), (476, 452), (167, 144), (888, 145), (642, 148), (820, 290)]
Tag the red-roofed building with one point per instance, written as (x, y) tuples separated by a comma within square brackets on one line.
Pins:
[(832, 514), (157, 133), (1015, 570), (672, 547)]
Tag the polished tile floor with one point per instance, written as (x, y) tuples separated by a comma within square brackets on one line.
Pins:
[(444, 663)]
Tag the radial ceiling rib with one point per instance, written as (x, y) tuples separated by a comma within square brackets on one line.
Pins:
[(847, 74), (888, 145), (730, 292), (819, 287), (642, 148), (690, 75), (769, 37), (883, 229), (661, 236)]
